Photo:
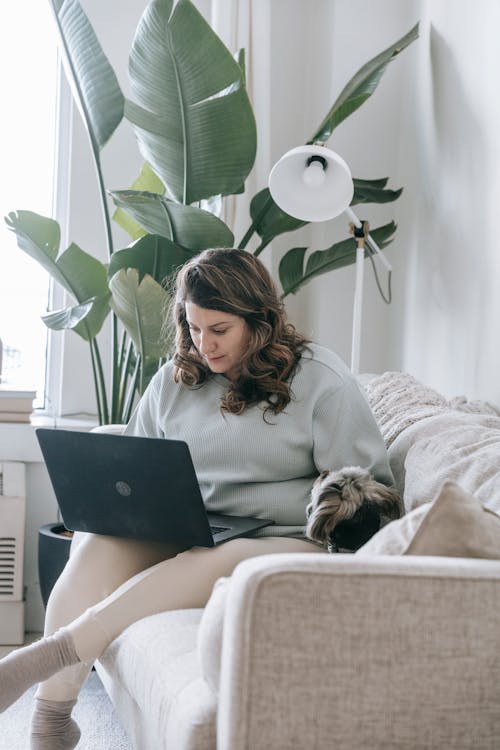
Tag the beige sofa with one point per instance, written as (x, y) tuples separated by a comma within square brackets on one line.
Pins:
[(394, 648)]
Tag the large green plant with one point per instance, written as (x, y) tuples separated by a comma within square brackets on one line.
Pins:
[(196, 132)]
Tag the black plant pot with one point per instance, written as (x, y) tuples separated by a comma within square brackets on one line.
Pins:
[(53, 551)]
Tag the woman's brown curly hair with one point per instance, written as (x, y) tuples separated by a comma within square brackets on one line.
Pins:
[(236, 282)]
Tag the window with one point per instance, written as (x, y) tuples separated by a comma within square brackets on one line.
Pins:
[(28, 57)]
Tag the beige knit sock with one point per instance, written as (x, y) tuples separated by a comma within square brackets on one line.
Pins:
[(52, 727), (24, 667)]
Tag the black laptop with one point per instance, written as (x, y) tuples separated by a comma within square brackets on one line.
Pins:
[(144, 488)]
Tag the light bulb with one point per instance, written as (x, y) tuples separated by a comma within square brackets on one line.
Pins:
[(314, 174)]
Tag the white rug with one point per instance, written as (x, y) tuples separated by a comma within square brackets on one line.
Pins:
[(94, 712)]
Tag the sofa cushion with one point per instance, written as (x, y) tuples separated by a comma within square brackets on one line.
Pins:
[(455, 524), (153, 676)]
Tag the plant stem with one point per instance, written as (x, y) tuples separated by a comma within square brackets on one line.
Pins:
[(114, 371), (121, 351), (129, 402), (124, 368), (102, 382), (97, 390), (256, 222), (114, 385), (262, 246), (248, 234), (96, 356)]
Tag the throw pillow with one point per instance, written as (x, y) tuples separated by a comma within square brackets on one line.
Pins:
[(455, 524)]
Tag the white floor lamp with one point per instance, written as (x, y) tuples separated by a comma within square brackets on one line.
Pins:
[(313, 183)]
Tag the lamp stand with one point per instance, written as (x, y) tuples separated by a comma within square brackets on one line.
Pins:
[(360, 234), (360, 230)]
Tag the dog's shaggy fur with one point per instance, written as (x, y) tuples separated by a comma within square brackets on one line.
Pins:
[(347, 507)]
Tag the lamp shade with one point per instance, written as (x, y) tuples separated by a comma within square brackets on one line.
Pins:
[(311, 183)]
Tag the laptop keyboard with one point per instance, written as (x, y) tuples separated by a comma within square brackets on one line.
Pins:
[(218, 529)]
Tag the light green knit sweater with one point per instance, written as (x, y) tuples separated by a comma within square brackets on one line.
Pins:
[(245, 465)]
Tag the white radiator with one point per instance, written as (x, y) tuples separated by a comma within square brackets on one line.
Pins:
[(12, 524)]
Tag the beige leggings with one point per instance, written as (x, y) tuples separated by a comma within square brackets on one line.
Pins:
[(110, 583)]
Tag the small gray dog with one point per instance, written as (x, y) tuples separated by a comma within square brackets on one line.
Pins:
[(348, 507)]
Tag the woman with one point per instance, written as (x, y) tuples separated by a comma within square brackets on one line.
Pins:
[(263, 412)]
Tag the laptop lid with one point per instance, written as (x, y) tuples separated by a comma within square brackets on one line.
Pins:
[(127, 486)]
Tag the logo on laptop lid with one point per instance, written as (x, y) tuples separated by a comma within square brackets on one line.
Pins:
[(123, 488)]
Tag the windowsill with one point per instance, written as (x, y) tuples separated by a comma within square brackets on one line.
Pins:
[(18, 441)]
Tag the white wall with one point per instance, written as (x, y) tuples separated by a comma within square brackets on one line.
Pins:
[(319, 48), (452, 305)]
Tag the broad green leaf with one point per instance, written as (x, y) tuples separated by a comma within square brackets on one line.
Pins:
[(69, 317), (360, 87), (85, 319), (379, 182), (82, 275), (39, 237), (191, 113), (89, 327), (322, 261), (188, 226), (141, 307), (94, 83), (291, 269), (293, 275), (373, 191), (268, 220), (147, 181), (152, 255), (85, 275)]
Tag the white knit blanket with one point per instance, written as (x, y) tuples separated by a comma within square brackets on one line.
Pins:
[(399, 400), (462, 447)]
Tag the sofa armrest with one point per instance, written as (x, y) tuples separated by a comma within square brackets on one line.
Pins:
[(339, 651)]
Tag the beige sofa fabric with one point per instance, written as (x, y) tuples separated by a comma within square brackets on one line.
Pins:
[(340, 651)]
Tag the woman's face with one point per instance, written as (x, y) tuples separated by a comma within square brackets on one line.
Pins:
[(220, 338)]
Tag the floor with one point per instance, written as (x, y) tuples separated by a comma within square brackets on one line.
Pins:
[(94, 713)]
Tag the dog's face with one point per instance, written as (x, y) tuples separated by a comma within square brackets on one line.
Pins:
[(348, 506)]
